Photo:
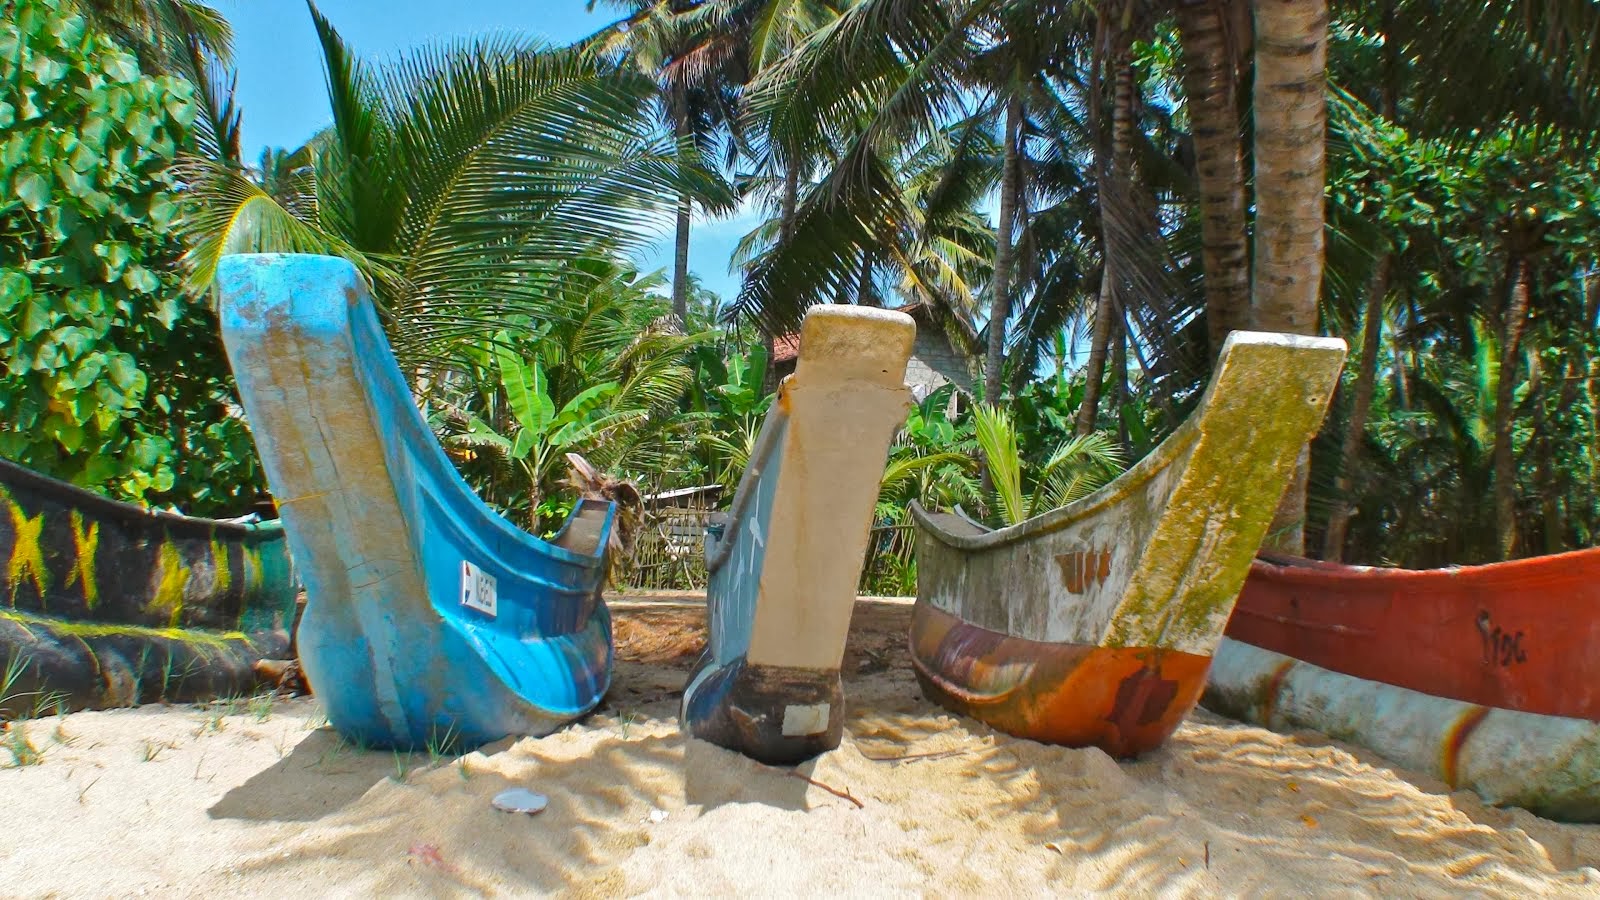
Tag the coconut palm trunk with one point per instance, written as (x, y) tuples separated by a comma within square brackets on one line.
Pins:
[(1115, 217), (1000, 286), (1519, 291), (680, 248), (1360, 406), (1210, 83), (1290, 134)]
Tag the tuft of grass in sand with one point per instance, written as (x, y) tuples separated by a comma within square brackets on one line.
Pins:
[(14, 735), (152, 750), (442, 745), (23, 751), (260, 706), (402, 766)]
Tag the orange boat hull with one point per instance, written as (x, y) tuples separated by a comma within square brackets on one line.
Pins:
[(1518, 635), (1124, 700)]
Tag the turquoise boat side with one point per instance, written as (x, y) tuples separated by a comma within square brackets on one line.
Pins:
[(429, 618)]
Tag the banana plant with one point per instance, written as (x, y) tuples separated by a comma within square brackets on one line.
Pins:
[(538, 435)]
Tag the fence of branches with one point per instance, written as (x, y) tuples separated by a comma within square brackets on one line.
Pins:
[(669, 555)]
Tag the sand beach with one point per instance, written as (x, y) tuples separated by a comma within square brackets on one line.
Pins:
[(261, 798)]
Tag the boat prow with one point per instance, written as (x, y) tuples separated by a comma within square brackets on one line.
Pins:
[(430, 619), (1094, 624), (785, 560), (1483, 676)]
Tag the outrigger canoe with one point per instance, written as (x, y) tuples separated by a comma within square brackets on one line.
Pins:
[(1094, 624), (430, 619), (1484, 676), (110, 604), (785, 560)]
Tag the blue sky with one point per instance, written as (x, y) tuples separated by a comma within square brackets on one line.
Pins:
[(285, 102)]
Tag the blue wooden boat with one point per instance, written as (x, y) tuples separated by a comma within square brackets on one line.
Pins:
[(430, 619), (785, 560)]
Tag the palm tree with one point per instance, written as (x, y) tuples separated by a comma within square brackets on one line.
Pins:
[(1073, 470), (695, 50), (458, 180), (1215, 38), (604, 379), (1290, 110)]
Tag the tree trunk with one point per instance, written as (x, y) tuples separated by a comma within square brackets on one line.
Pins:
[(1360, 405), (1290, 134), (1210, 85), (1544, 462), (1094, 369), (1518, 297), (1115, 172), (786, 213), (680, 255), (864, 293), (1000, 285), (1119, 396)]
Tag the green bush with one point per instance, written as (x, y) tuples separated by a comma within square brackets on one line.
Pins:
[(111, 377)]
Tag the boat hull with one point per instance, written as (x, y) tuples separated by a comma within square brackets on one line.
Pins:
[(1516, 635), (1092, 624), (785, 560), (1483, 676), (430, 620), (1547, 764), (1124, 700), (75, 555), (106, 604)]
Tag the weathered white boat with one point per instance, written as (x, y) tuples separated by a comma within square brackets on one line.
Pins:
[(1094, 624), (785, 560)]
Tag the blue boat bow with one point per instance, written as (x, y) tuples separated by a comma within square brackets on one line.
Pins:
[(430, 619)]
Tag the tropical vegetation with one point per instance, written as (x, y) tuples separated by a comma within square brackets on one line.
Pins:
[(1081, 197)]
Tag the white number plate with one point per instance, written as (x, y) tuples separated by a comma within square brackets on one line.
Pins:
[(478, 589)]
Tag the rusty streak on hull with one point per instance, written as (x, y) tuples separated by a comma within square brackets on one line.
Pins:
[(1092, 624), (1125, 700), (1515, 635)]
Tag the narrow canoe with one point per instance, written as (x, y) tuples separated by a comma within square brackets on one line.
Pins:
[(785, 560), (430, 619), (1094, 624), (1484, 676), (111, 604)]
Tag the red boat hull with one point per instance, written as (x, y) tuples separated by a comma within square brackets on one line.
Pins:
[(1124, 700), (1518, 635)]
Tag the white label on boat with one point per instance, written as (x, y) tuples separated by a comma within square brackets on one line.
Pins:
[(478, 589), (799, 721)]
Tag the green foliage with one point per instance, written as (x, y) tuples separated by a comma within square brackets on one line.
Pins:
[(113, 379), (1073, 470), (602, 376), (459, 180)]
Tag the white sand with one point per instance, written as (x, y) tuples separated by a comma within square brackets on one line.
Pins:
[(160, 800)]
